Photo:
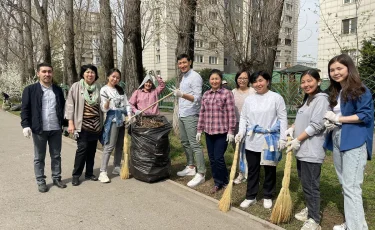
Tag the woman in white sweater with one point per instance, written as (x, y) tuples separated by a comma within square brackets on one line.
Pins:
[(263, 123)]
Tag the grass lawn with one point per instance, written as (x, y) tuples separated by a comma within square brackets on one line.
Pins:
[(332, 203)]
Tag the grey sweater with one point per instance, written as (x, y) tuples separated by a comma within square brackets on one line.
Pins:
[(310, 119)]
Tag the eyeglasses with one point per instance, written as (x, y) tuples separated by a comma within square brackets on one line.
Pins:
[(242, 79)]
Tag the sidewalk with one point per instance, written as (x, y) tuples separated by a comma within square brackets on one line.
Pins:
[(122, 204)]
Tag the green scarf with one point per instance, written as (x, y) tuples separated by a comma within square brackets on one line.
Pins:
[(93, 99)]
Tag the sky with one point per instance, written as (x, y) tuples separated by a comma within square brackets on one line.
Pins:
[(308, 24)]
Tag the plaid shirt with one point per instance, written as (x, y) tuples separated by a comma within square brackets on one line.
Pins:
[(217, 114)]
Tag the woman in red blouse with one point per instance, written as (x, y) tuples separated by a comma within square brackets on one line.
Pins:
[(218, 120)]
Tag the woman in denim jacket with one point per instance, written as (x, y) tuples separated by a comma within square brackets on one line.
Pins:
[(116, 106), (352, 123)]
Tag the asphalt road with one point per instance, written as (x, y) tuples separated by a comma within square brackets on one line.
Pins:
[(121, 204)]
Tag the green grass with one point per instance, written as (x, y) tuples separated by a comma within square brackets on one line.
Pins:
[(332, 203)]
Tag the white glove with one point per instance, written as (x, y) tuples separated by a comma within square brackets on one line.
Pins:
[(198, 137), (27, 132), (138, 112), (290, 132), (238, 137), (332, 117), (75, 134), (177, 93), (230, 138), (281, 145), (329, 126), (293, 144)]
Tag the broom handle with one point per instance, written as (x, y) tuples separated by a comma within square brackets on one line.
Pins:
[(234, 164), (168, 95), (287, 169)]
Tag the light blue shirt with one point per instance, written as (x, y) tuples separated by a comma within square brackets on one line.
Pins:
[(191, 83), (49, 116)]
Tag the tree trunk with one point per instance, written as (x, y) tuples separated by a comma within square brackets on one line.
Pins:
[(43, 21), (21, 44), (69, 57), (132, 55), (28, 40), (106, 40), (185, 44)]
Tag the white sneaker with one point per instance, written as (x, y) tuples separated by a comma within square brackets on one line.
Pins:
[(103, 177), (116, 171), (340, 227), (198, 179), (302, 215), (187, 172), (267, 203), (239, 179), (246, 203), (310, 224)]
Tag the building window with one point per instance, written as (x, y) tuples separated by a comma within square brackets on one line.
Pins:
[(158, 72), (238, 22), (225, 61), (214, 2), (198, 43), (157, 58), (213, 45), (349, 26), (288, 42), (349, 1), (198, 58), (277, 64), (287, 64), (288, 31), (212, 60), (278, 53), (213, 15), (199, 13), (97, 59), (213, 30), (157, 42), (279, 41), (288, 19), (238, 9), (198, 27), (288, 52), (289, 7)]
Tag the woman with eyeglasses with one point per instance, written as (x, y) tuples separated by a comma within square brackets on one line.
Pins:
[(241, 91)]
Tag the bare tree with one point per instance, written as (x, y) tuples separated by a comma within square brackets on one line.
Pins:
[(43, 23), (69, 57), (106, 40), (132, 67), (28, 39)]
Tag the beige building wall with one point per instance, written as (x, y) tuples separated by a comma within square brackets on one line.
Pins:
[(343, 22)]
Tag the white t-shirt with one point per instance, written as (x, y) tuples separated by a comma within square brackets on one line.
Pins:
[(118, 102)]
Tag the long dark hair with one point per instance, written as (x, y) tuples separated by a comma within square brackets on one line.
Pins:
[(309, 98), (353, 88), (119, 89)]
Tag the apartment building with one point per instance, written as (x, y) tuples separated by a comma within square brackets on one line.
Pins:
[(90, 51), (211, 49), (343, 25)]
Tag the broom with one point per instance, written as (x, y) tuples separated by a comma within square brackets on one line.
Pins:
[(124, 174), (282, 211), (226, 199)]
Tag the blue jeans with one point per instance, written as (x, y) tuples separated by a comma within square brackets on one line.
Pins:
[(53, 138), (216, 147), (350, 167), (188, 131)]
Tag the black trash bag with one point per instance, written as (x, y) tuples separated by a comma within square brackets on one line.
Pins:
[(149, 152)]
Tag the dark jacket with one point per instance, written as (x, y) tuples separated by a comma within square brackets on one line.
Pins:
[(31, 111)]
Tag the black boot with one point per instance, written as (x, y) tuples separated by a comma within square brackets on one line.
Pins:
[(75, 181), (59, 183), (42, 188)]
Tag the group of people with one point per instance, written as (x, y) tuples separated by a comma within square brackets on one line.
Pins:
[(251, 115), (341, 119)]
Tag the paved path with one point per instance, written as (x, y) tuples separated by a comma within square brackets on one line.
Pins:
[(128, 204)]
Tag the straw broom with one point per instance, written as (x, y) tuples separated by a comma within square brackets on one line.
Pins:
[(124, 174), (282, 211), (226, 199)]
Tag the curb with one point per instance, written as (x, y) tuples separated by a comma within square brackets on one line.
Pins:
[(267, 224)]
